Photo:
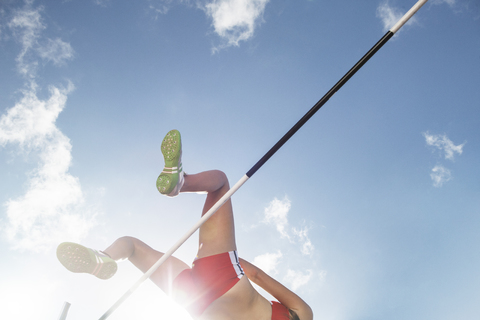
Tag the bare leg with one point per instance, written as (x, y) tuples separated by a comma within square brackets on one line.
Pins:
[(217, 234), (143, 257)]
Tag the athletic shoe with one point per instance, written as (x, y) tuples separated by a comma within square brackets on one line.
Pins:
[(170, 181), (79, 259)]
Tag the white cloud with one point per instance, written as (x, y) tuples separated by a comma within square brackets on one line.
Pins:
[(276, 213), (307, 246), (232, 20), (268, 262), (31, 120), (443, 143), (52, 209), (27, 26), (296, 279), (162, 6), (390, 15), (322, 275), (449, 2), (235, 20), (2, 15), (102, 3), (56, 51), (440, 175)]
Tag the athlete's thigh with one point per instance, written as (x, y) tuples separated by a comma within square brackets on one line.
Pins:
[(217, 234), (145, 257)]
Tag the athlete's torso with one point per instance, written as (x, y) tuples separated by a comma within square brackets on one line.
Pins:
[(241, 302)]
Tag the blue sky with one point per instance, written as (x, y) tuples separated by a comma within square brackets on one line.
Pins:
[(371, 211)]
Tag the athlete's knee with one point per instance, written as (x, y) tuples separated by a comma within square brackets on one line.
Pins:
[(127, 239), (222, 177), (129, 243)]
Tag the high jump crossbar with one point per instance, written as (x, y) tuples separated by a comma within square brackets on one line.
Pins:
[(269, 154)]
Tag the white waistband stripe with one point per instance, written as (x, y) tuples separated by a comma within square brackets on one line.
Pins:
[(236, 264)]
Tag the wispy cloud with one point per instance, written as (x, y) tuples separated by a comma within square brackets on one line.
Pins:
[(296, 279), (163, 6), (268, 262), (27, 26), (444, 144), (56, 51), (440, 175), (235, 20), (276, 214), (307, 246), (102, 3), (52, 209), (389, 15), (449, 2)]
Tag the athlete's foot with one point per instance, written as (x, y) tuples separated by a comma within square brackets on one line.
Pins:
[(79, 259), (171, 179)]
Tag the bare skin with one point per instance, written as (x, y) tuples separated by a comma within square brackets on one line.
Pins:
[(217, 235)]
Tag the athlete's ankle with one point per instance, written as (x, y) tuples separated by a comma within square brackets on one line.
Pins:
[(103, 252)]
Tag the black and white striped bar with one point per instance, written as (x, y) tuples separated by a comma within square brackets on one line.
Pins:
[(336, 87), (271, 152)]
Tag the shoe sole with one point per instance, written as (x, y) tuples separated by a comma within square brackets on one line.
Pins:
[(79, 259), (171, 146), (172, 151)]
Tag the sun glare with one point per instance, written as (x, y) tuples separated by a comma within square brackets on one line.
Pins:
[(149, 302), (25, 299)]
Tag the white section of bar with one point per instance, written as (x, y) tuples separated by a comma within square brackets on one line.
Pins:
[(408, 15), (177, 245), (63, 314)]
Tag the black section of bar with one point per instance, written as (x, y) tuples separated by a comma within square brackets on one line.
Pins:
[(319, 104)]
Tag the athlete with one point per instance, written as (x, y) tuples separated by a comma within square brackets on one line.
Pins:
[(217, 286)]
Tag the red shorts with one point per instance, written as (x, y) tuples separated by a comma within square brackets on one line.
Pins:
[(279, 311), (207, 280)]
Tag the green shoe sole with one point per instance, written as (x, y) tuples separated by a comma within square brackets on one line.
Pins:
[(172, 148), (79, 259), (166, 183), (172, 174)]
